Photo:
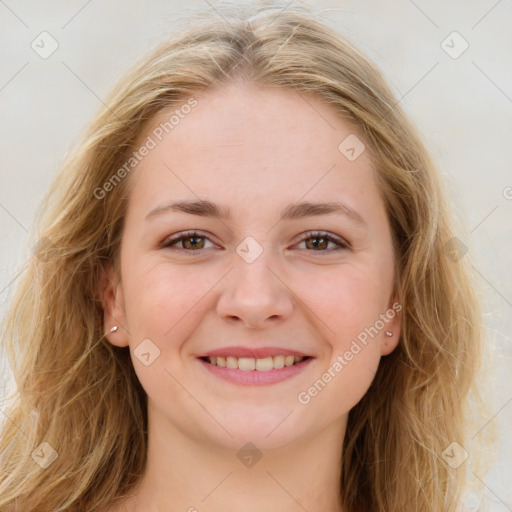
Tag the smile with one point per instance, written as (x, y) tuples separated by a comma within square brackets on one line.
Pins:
[(264, 364), (254, 367)]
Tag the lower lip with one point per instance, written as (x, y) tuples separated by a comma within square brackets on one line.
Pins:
[(256, 377)]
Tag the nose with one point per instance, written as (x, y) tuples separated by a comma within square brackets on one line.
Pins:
[(255, 294)]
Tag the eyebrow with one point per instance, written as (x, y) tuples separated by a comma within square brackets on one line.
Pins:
[(205, 208)]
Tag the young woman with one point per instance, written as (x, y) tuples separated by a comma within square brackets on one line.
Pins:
[(242, 295)]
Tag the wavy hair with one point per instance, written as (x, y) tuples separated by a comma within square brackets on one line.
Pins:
[(80, 394)]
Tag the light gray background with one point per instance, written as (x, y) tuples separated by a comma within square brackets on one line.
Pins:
[(462, 106)]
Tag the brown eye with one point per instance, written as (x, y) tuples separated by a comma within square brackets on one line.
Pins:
[(319, 242), (190, 242), (193, 242)]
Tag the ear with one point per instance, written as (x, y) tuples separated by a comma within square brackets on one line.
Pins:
[(393, 322), (112, 302)]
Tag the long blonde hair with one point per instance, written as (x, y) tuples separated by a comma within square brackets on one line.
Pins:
[(80, 394)]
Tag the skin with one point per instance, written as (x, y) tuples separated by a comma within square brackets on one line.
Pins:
[(258, 151)]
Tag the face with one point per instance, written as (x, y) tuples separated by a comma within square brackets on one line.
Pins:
[(266, 282)]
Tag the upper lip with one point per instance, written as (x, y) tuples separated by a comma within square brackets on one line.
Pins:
[(255, 353)]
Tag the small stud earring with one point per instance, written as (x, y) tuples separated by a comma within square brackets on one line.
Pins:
[(114, 329), (389, 333)]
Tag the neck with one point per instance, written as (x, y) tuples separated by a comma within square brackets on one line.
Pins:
[(184, 474)]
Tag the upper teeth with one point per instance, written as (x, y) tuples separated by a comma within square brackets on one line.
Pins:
[(250, 363)]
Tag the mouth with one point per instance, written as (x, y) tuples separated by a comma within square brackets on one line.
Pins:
[(262, 364), (254, 367)]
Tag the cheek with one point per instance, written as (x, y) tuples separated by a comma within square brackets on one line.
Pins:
[(350, 303), (347, 300), (161, 297), (165, 304), (341, 384)]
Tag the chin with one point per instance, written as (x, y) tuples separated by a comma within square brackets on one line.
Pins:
[(266, 428)]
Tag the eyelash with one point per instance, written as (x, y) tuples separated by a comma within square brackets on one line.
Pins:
[(169, 242)]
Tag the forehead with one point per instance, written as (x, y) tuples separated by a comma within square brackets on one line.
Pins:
[(241, 142)]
